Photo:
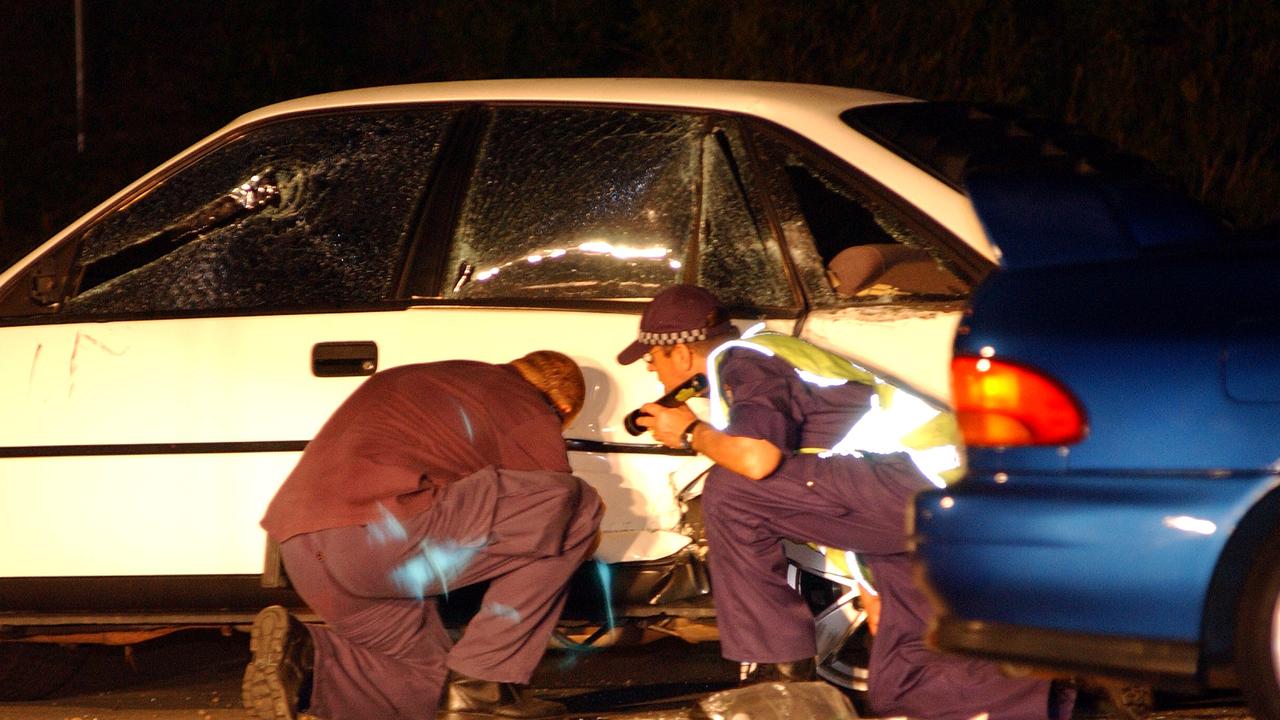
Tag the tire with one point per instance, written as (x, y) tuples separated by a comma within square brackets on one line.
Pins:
[(33, 671), (841, 633), (843, 655), (1258, 632)]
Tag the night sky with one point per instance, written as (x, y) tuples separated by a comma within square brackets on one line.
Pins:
[(1189, 85)]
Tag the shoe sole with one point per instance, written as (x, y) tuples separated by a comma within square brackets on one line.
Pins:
[(263, 691)]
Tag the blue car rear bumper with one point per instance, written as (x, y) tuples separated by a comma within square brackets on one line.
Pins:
[(1097, 558)]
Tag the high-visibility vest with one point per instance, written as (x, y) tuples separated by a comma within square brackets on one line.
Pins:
[(897, 421)]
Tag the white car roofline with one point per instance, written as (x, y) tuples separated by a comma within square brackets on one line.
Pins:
[(810, 110), (762, 99)]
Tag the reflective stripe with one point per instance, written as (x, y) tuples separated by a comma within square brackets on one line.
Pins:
[(896, 421)]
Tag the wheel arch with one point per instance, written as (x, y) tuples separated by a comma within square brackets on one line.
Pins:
[(1222, 600)]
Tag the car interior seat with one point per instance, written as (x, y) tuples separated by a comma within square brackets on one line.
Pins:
[(885, 268)]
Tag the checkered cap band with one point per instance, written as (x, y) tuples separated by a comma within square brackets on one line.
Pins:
[(680, 314), (672, 338)]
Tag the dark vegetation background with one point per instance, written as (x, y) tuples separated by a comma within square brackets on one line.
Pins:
[(1193, 85)]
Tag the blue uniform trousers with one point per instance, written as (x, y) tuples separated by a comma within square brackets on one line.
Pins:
[(857, 504)]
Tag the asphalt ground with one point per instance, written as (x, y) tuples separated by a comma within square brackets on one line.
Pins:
[(195, 675)]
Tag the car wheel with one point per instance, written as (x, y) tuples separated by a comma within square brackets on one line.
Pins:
[(31, 671), (843, 657), (1258, 632), (842, 634)]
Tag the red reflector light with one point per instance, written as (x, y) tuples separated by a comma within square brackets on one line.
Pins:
[(1000, 404)]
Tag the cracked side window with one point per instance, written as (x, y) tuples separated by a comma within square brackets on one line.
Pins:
[(578, 203), (313, 211), (848, 246), (738, 261)]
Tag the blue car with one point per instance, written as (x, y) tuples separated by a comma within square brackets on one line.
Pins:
[(1118, 384)]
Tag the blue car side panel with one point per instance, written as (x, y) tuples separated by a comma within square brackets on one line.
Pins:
[(1090, 554), (1249, 360), (1126, 294)]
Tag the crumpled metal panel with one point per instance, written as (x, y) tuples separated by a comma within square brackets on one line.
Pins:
[(579, 203), (330, 233)]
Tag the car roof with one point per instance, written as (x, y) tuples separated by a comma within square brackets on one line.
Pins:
[(770, 100)]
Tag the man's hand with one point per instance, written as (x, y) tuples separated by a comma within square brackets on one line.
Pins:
[(750, 457), (666, 424)]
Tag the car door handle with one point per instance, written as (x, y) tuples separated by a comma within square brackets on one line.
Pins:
[(344, 359)]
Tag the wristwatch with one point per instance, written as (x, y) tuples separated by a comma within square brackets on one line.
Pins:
[(686, 437)]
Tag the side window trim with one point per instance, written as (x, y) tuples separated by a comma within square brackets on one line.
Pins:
[(35, 293), (700, 228), (422, 274), (755, 193)]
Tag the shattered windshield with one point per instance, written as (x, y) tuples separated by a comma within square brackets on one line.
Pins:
[(309, 211)]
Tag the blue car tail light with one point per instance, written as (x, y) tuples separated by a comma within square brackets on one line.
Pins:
[(1004, 404)]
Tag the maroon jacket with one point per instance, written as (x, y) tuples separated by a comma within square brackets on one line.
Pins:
[(408, 431)]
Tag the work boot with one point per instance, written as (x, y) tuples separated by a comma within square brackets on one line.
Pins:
[(468, 697), (278, 679), (795, 671)]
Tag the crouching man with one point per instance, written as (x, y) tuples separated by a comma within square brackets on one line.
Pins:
[(780, 410), (427, 478)]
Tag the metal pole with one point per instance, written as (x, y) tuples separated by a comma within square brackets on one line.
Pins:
[(79, 76)]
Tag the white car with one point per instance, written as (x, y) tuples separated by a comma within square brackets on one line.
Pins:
[(165, 359)]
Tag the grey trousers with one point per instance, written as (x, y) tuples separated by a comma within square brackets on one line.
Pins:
[(383, 651)]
